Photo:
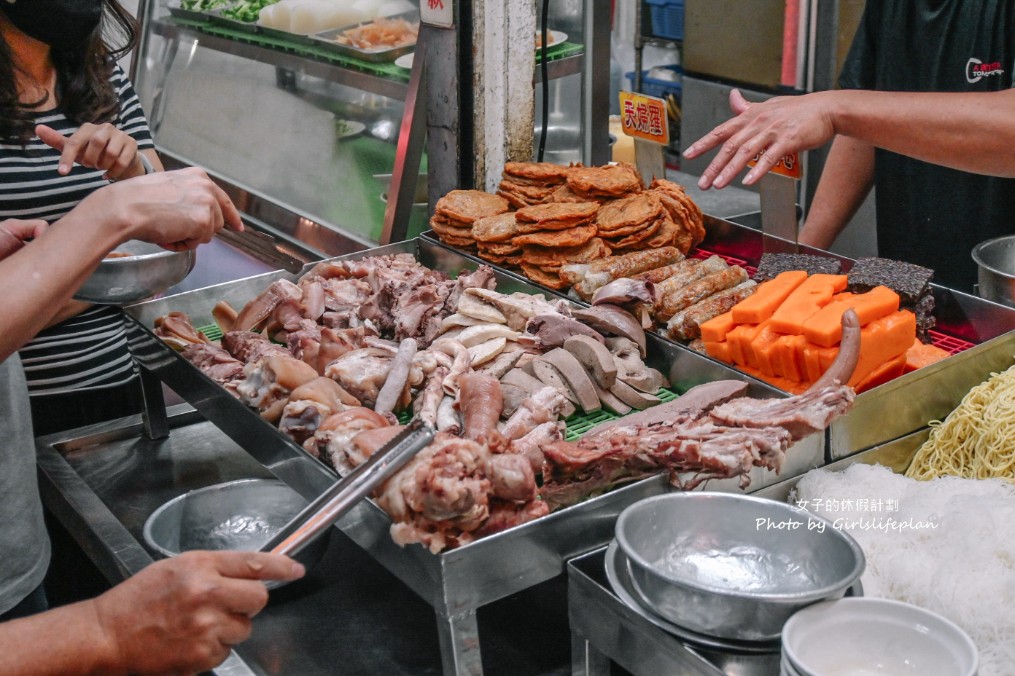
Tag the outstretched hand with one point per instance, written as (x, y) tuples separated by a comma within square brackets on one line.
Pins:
[(769, 130)]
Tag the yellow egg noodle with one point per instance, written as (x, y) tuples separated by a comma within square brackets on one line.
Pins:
[(977, 439)]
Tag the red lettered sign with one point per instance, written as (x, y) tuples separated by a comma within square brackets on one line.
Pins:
[(644, 117)]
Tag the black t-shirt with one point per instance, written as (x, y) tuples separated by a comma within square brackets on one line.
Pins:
[(928, 214)]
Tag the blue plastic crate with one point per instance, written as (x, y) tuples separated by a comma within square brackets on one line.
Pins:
[(667, 18), (656, 87)]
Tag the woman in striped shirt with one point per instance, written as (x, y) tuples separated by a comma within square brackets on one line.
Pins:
[(70, 123)]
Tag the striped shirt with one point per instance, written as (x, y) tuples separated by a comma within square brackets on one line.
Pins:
[(88, 351)]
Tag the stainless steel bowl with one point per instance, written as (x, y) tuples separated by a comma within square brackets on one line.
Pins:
[(733, 566), (995, 261), (147, 270), (237, 515)]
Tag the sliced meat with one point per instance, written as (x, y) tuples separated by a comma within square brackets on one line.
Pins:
[(632, 397), (623, 291), (612, 320), (551, 331), (695, 402), (595, 358), (575, 376)]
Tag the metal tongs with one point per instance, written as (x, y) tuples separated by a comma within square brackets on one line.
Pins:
[(350, 489)]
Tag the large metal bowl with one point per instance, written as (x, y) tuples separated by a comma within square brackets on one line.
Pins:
[(147, 270), (995, 261), (237, 515), (733, 566)]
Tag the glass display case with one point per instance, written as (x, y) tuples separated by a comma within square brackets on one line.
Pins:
[(292, 126)]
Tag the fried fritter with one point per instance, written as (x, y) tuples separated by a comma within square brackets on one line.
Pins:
[(499, 248), (566, 195), (521, 196), (612, 180), (443, 227), (558, 216), (535, 173), (593, 249), (468, 206), (635, 238), (570, 237), (499, 228), (622, 214), (541, 276)]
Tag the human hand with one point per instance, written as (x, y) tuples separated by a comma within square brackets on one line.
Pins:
[(183, 615), (99, 146), (14, 232), (177, 210), (773, 128)]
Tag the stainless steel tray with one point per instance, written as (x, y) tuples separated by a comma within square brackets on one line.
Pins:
[(176, 10), (456, 582), (327, 40), (907, 403), (278, 34)]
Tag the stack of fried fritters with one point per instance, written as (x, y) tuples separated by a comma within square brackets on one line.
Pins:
[(573, 214), (525, 184), (455, 213)]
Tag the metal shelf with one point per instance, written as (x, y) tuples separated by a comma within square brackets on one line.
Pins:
[(368, 82), (571, 65)]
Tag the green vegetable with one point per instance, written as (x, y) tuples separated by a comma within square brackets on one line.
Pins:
[(246, 10)]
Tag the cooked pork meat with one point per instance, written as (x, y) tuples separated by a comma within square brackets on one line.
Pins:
[(361, 372), (267, 383), (215, 363)]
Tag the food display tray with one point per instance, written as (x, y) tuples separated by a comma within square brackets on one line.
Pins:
[(279, 34), (189, 14), (458, 581), (979, 334), (327, 40)]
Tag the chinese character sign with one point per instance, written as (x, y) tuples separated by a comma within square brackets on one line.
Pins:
[(644, 117), (437, 13)]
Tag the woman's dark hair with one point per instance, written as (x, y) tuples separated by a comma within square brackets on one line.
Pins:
[(82, 77)]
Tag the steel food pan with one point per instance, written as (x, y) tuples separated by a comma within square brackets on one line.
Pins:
[(979, 332), (473, 574), (328, 40), (175, 9), (288, 36)]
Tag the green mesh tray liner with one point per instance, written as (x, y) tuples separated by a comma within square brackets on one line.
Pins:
[(579, 423), (211, 331), (388, 70)]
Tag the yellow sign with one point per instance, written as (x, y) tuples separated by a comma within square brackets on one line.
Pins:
[(788, 165), (644, 117)]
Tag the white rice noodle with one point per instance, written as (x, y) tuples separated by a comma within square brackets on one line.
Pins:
[(963, 569)]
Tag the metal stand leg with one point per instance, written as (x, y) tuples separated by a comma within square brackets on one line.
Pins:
[(156, 423), (459, 636), (586, 660)]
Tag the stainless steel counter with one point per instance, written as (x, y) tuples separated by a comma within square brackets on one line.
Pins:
[(349, 615)]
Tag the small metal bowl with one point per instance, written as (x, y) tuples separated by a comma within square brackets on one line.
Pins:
[(995, 269), (733, 566), (237, 515), (146, 270), (875, 636)]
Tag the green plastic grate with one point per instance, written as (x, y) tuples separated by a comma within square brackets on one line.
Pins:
[(212, 331)]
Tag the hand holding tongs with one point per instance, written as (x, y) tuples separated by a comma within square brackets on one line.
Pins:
[(350, 489)]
